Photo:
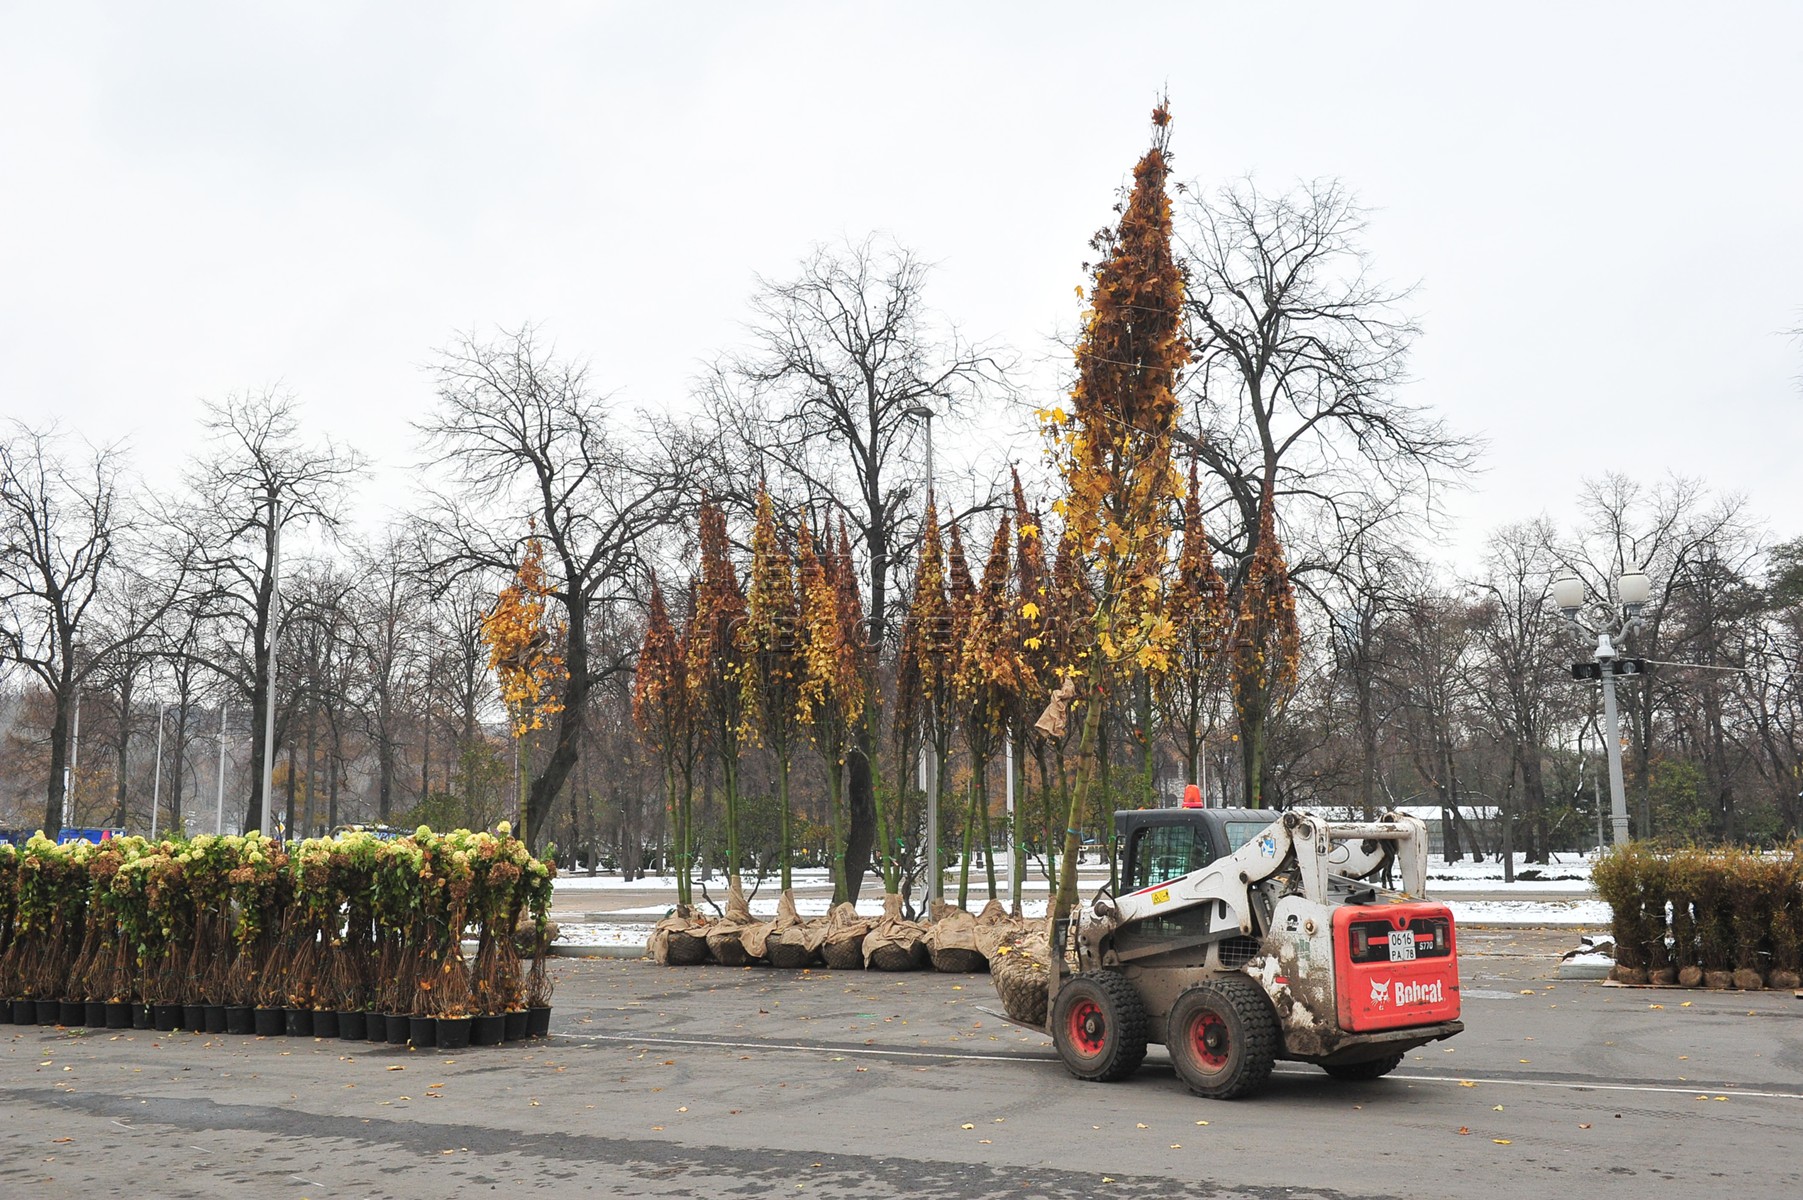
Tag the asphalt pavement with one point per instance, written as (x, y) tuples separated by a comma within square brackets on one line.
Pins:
[(752, 1082)]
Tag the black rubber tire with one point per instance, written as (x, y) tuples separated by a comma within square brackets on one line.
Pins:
[(1359, 1072), (1223, 1038), (1099, 1026)]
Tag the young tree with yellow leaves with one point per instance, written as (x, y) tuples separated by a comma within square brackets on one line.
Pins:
[(1115, 454), (1028, 600), (774, 700), (834, 674), (523, 654), (713, 666)]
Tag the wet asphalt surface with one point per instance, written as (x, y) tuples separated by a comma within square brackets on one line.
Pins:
[(710, 1082)]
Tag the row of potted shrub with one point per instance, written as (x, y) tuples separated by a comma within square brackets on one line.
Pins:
[(325, 937), (1720, 917)]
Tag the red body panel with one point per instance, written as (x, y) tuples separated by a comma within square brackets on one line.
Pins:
[(1394, 995)]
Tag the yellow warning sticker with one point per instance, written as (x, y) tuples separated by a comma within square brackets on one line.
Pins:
[(1160, 896)]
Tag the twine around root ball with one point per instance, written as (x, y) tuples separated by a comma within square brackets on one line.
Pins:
[(1019, 972)]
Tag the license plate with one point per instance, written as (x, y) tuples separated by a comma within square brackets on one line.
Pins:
[(1402, 945)]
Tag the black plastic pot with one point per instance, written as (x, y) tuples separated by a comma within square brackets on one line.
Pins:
[(454, 1032), (538, 1021), (422, 1032), (74, 1014), (351, 1025), (168, 1016), (325, 1022), (194, 1018), (94, 1014), (375, 1026), (25, 1012), (240, 1018), (50, 1012), (142, 1017), (489, 1030), (215, 1014), (298, 1021), (514, 1025), (396, 1024), (118, 1014), (267, 1022), (6, 1011)]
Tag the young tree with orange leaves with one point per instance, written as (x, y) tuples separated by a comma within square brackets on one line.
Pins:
[(523, 654), (1266, 645), (924, 685), (1115, 454), (1199, 611), (663, 709), (773, 699), (990, 675), (713, 666)]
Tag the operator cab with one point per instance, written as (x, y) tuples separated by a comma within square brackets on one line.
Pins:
[(1162, 844), (1158, 845)]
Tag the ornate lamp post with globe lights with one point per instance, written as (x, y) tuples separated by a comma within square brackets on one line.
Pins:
[(1609, 623)]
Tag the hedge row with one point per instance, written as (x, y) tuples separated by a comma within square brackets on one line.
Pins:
[(1719, 918), (349, 923)]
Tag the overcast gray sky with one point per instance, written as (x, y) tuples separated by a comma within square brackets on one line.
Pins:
[(1600, 202)]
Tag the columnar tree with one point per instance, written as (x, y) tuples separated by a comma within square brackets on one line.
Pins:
[(1115, 454), (1267, 646), (714, 666), (662, 709), (834, 674), (772, 698), (1198, 612), (924, 674)]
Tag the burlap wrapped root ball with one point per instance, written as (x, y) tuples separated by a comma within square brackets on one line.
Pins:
[(680, 939), (951, 942), (793, 943), (894, 943), (842, 945), (737, 939), (1018, 969)]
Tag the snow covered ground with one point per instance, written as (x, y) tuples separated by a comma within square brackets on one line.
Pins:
[(1560, 896)]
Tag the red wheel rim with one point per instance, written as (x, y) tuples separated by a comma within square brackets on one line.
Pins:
[(1088, 1028), (1208, 1040)]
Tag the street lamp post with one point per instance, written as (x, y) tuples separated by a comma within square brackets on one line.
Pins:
[(1608, 623), (156, 787), (267, 766), (928, 760)]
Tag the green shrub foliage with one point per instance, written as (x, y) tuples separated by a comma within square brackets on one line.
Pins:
[(347, 922), (1700, 913)]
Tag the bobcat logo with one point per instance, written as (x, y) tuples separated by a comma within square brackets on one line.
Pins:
[(1380, 992)]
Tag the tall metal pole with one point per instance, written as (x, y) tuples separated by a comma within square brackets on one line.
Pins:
[(156, 787), (219, 813), (935, 885), (72, 772), (1618, 792), (267, 766)]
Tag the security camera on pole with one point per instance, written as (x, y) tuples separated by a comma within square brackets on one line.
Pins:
[(1609, 623)]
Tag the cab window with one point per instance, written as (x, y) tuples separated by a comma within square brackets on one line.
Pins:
[(1166, 852)]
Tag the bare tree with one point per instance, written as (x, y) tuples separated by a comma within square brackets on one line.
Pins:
[(823, 406), (1299, 358), (532, 450), (65, 527), (257, 477)]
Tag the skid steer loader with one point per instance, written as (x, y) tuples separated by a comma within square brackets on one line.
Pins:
[(1235, 940)]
